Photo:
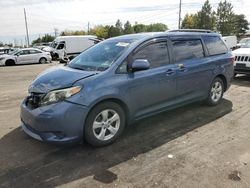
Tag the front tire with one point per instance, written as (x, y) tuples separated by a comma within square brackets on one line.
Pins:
[(104, 124), (215, 92), (10, 62)]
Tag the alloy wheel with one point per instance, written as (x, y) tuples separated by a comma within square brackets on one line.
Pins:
[(106, 124)]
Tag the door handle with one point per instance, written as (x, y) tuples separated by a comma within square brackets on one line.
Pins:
[(170, 72), (182, 67)]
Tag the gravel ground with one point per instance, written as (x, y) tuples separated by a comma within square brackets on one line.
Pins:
[(192, 146)]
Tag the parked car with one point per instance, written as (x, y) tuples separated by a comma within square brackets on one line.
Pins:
[(242, 42), (231, 41), (25, 56), (6, 50), (122, 80), (242, 59), (71, 45)]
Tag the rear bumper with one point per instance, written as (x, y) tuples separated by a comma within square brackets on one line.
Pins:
[(62, 122)]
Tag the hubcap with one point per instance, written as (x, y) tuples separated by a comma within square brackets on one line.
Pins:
[(106, 124), (216, 92)]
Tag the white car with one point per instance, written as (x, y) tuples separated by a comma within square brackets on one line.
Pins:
[(242, 59), (25, 56)]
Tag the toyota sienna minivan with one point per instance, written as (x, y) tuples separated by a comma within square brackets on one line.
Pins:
[(124, 79)]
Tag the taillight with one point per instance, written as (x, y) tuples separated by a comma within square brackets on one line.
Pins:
[(232, 59)]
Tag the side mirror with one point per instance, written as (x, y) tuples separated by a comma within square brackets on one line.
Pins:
[(139, 65)]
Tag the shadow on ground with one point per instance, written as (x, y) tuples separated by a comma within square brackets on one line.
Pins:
[(25, 162), (242, 80)]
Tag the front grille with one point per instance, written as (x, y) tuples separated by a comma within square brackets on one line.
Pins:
[(34, 99), (242, 58)]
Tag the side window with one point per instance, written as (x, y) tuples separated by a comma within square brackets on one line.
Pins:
[(60, 46), (156, 54), (34, 52), (187, 49), (24, 52), (215, 45)]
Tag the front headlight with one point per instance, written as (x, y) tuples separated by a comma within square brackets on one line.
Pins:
[(1, 58), (59, 95)]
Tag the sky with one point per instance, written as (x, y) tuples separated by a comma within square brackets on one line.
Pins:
[(45, 15)]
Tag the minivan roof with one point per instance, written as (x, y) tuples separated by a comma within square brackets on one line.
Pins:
[(139, 36)]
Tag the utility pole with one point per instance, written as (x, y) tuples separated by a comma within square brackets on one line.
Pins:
[(56, 32), (179, 25), (26, 25), (88, 28)]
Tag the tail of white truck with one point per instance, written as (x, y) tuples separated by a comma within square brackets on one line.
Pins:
[(71, 45)]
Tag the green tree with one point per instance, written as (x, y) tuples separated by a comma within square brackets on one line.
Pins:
[(113, 31), (128, 29), (45, 38), (157, 27), (118, 26), (100, 31), (138, 28), (225, 18), (1, 44), (241, 25), (206, 17), (190, 22), (70, 32)]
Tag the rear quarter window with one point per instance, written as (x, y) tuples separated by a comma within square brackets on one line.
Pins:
[(187, 49), (215, 45)]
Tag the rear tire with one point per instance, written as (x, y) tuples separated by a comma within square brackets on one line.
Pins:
[(104, 124), (10, 62), (42, 60), (215, 92)]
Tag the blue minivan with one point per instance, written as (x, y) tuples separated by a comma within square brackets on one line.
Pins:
[(124, 79)]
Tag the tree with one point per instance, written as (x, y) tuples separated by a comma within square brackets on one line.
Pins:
[(157, 27), (128, 29), (100, 31), (1, 44), (45, 38), (190, 22), (225, 18), (206, 17), (118, 26), (240, 25), (113, 31), (138, 28), (69, 32)]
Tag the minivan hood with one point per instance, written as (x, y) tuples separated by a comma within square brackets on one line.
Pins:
[(57, 78)]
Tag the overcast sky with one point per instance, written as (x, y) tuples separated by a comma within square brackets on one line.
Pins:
[(45, 15)]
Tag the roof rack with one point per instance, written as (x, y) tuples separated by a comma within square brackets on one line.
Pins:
[(192, 30)]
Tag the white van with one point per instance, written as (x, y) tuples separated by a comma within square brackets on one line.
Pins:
[(71, 45), (231, 41)]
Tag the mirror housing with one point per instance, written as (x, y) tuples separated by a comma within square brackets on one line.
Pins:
[(139, 65)]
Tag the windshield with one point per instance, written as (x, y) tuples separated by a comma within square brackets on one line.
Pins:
[(13, 52), (244, 40), (100, 57), (53, 44), (246, 44)]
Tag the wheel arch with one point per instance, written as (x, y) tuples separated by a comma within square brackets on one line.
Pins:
[(115, 100), (10, 60), (223, 78)]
